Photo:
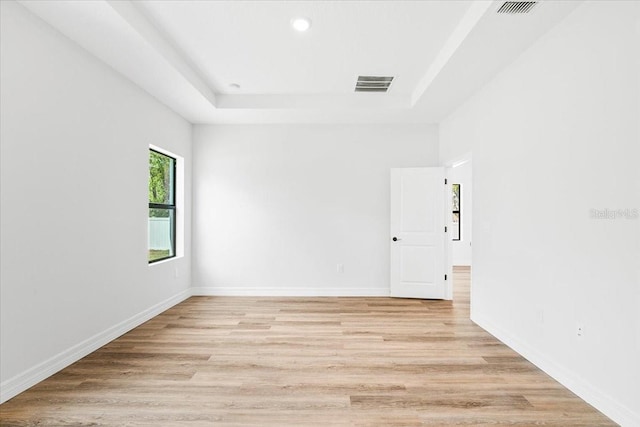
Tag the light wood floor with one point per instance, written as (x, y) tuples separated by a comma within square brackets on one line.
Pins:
[(304, 362)]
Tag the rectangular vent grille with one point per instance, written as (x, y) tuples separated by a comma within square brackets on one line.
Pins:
[(517, 7), (373, 84)]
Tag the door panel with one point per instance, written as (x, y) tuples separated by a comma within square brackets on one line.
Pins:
[(415, 215), (413, 268), (417, 224)]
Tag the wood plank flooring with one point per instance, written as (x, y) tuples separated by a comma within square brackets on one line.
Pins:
[(232, 361)]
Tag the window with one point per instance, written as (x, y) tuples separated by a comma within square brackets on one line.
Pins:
[(456, 212), (162, 206)]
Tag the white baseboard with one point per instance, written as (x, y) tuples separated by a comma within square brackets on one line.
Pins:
[(288, 291), (590, 394), (21, 382)]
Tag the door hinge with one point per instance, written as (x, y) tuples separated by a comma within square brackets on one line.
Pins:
[(445, 181), (445, 277), (445, 228)]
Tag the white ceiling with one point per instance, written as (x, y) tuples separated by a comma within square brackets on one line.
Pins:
[(188, 54), (255, 46)]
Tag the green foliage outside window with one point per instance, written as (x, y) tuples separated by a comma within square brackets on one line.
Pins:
[(160, 176)]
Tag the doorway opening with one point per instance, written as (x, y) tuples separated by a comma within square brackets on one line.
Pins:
[(460, 206)]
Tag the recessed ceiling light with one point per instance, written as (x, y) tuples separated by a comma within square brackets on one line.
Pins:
[(301, 24)]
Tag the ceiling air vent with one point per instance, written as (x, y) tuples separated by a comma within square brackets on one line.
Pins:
[(373, 84), (512, 7)]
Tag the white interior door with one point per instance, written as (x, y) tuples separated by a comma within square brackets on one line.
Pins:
[(418, 233)]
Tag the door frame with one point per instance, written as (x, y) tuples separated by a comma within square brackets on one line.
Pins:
[(448, 172), (448, 252)]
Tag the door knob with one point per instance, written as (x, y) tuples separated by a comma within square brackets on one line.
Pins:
[(395, 239)]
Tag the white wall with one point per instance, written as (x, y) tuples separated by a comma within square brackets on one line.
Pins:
[(555, 135), (74, 149), (276, 208), (461, 249)]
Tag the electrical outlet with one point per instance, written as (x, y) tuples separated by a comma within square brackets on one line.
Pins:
[(340, 268), (579, 330), (176, 273)]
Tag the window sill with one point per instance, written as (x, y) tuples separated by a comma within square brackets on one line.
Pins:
[(164, 261)]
